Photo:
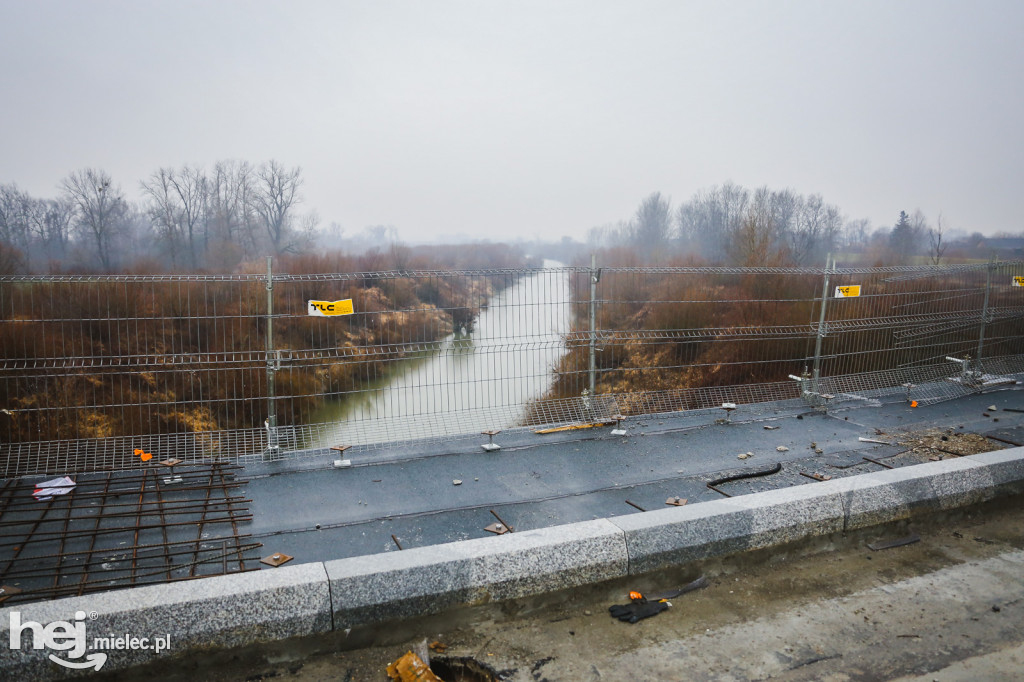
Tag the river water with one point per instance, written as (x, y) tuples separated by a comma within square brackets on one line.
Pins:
[(475, 381)]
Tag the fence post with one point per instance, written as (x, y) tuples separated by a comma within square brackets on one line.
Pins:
[(829, 264), (594, 276), (984, 311), (271, 423)]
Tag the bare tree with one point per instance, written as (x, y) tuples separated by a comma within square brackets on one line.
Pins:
[(938, 247), (190, 186), (162, 208), (274, 199), (707, 220), (15, 209), (857, 232), (756, 241), (652, 224), (100, 208), (230, 215), (54, 229), (177, 206)]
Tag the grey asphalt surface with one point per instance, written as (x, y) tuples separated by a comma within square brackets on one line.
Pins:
[(542, 480)]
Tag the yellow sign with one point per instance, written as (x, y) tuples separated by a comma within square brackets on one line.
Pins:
[(1018, 281), (330, 308), (848, 291)]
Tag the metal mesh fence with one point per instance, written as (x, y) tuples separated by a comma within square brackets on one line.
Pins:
[(228, 367)]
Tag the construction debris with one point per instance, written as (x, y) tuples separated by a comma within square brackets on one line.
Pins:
[(637, 610), (641, 607), (575, 427), (276, 560), (47, 490), (676, 501), (774, 469), (411, 668), (899, 542), (501, 521)]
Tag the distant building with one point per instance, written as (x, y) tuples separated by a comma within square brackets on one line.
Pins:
[(1003, 247)]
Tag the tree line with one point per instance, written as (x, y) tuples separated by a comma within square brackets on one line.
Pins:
[(190, 218), (734, 225)]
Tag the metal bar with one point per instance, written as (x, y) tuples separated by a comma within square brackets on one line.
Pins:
[(271, 405), (984, 309), (63, 540), (821, 325), (234, 525), (92, 541), (163, 528), (18, 546), (200, 524), (593, 326), (502, 521), (104, 584), (165, 548), (161, 510)]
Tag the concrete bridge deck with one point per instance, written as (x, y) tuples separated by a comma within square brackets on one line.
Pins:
[(565, 494)]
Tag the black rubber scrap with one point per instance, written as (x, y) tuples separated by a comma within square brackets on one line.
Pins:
[(748, 474), (898, 542)]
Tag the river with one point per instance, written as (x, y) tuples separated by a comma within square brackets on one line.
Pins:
[(477, 381)]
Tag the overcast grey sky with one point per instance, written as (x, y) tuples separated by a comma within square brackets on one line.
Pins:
[(507, 119)]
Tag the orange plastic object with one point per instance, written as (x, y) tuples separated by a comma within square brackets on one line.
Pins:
[(411, 668), (635, 595)]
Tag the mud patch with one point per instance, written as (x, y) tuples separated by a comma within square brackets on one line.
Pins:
[(463, 669)]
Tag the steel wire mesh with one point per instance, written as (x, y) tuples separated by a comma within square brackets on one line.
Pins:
[(95, 367)]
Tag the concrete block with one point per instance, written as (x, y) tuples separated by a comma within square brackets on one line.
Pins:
[(872, 499), (1006, 468), (211, 613), (959, 482), (428, 580), (680, 535)]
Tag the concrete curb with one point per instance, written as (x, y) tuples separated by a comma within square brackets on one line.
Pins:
[(236, 610)]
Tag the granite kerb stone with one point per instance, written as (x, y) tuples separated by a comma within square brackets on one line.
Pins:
[(680, 535), (1006, 468), (897, 494), (210, 613), (428, 580)]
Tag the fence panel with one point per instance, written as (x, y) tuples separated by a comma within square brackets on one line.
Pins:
[(234, 366)]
